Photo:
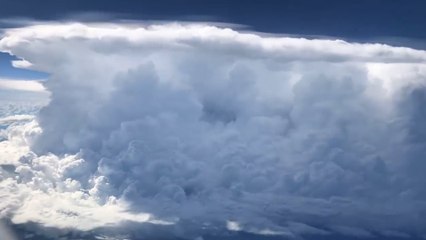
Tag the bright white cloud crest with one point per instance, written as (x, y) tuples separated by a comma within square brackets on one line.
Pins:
[(196, 125)]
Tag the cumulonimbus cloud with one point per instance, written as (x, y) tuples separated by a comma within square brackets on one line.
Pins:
[(202, 126)]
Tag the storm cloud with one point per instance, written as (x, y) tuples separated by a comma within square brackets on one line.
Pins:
[(201, 128)]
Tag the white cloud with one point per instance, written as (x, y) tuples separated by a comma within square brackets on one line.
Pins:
[(22, 85), (198, 125), (21, 64), (39, 189)]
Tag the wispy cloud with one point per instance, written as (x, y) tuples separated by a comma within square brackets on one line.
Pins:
[(22, 85)]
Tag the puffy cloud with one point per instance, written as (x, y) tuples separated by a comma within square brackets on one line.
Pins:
[(47, 189), (212, 129)]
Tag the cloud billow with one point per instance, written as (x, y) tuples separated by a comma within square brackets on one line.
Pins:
[(203, 128)]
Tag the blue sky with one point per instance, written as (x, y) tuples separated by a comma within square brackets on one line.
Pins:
[(10, 72), (361, 19)]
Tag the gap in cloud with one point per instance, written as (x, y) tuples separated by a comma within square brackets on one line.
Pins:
[(8, 70), (20, 84)]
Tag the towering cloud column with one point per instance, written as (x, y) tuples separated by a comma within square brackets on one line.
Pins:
[(195, 125)]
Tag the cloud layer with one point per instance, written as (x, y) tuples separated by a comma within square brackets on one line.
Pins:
[(208, 128)]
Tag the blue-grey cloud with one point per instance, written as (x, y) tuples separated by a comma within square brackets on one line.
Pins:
[(203, 129)]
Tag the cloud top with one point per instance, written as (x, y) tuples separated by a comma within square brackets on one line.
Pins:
[(212, 38)]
